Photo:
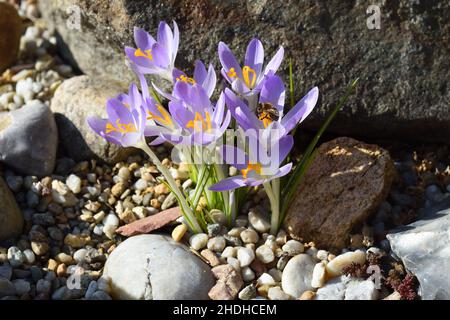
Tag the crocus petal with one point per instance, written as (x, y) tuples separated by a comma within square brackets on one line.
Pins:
[(228, 60), (176, 41), (143, 64), (160, 56), (219, 109), (143, 39), (284, 170), (234, 156), (177, 74), (209, 84), (99, 126), (301, 110), (285, 145), (273, 92), (240, 87), (275, 63), (165, 38), (199, 72), (161, 92), (228, 184), (157, 141), (118, 112), (131, 139), (254, 56)]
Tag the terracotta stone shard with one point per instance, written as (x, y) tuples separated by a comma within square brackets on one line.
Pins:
[(343, 187), (150, 223)]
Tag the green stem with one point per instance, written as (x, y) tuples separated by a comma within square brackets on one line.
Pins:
[(187, 212), (274, 206)]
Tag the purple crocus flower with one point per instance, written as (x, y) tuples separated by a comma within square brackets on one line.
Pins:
[(191, 118), (201, 122), (126, 120), (155, 56), (205, 78), (253, 171), (271, 98), (248, 79)]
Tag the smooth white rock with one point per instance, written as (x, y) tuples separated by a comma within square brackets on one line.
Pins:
[(335, 267), (245, 256), (297, 275)]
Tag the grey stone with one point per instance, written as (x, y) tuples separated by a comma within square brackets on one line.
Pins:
[(21, 286), (29, 139), (403, 67), (297, 275), (101, 295), (6, 271), (347, 288), (11, 219), (155, 267), (6, 288), (75, 100), (423, 246)]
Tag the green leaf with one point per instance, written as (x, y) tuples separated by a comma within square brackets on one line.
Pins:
[(155, 95), (291, 186)]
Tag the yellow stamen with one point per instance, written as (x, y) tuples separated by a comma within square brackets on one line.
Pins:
[(249, 76), (232, 73), (148, 54), (265, 118), (186, 79), (251, 166), (120, 127), (164, 120), (199, 124)]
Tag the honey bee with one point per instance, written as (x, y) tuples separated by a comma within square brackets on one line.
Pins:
[(267, 111)]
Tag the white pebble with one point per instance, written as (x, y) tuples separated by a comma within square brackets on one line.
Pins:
[(276, 274), (258, 222), (29, 256), (74, 183), (98, 229), (229, 252), (15, 257), (267, 279), (335, 267), (322, 255), (248, 274), (249, 236), (245, 256), (275, 293), (318, 275), (234, 263), (216, 244), (265, 254), (198, 241), (111, 220), (80, 254), (293, 247)]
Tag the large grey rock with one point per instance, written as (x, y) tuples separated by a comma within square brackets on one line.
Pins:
[(75, 100), (403, 67), (424, 247), (347, 288), (297, 275), (29, 139), (147, 267), (11, 219)]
